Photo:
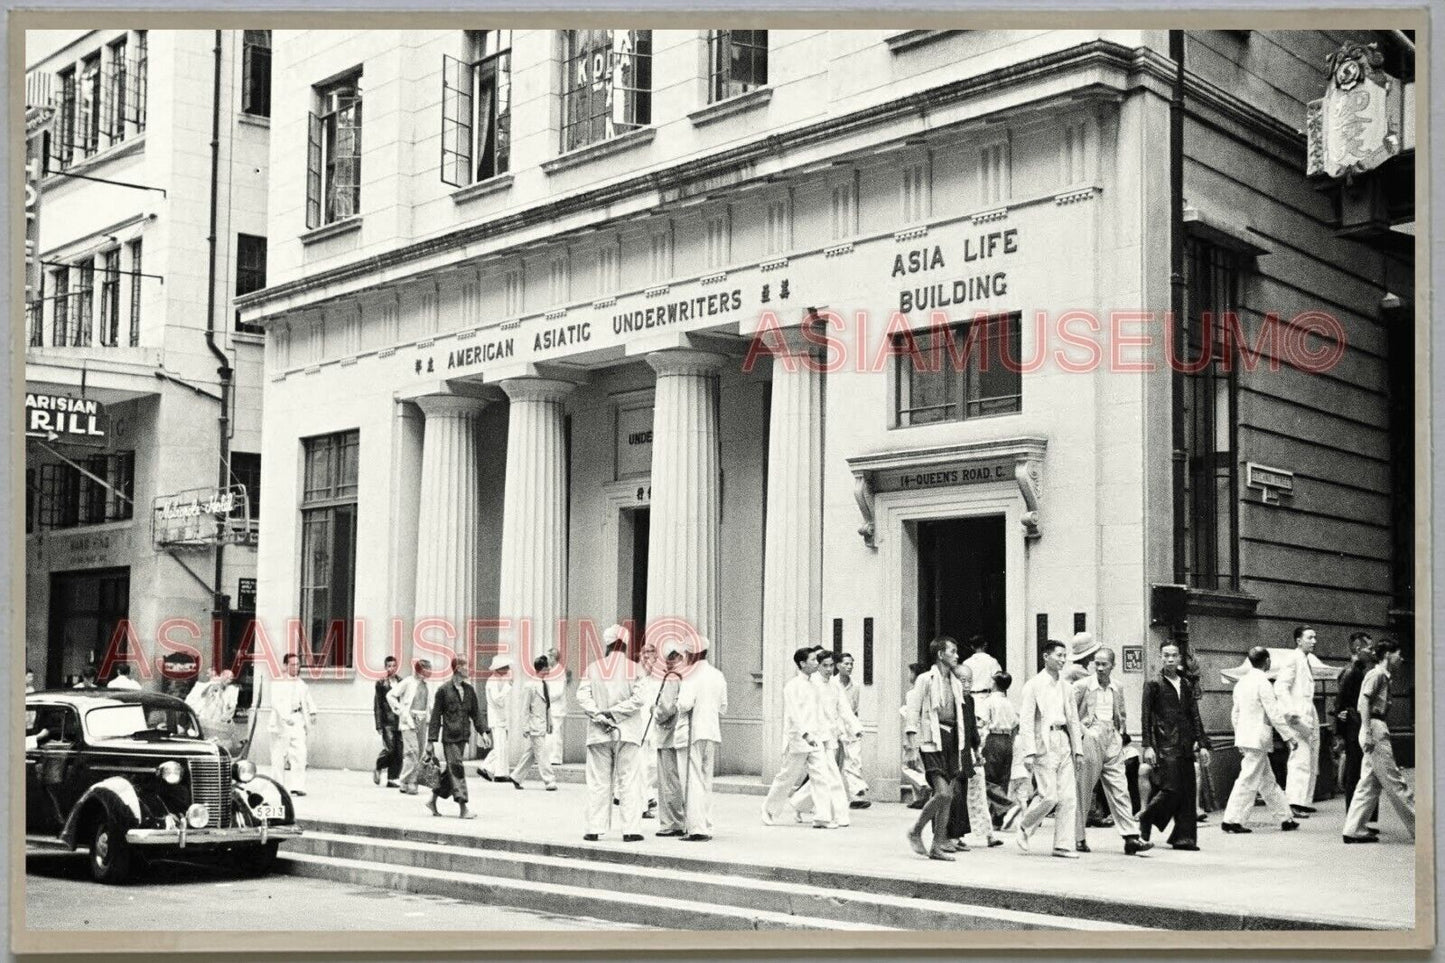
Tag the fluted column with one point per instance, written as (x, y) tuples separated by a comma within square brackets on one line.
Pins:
[(682, 558), (534, 527), (792, 546), (449, 521)]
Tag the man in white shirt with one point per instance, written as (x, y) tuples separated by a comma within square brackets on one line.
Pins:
[(836, 719), (1256, 716), (292, 715), (214, 703), (557, 683), (1295, 687), (1379, 772), (411, 699), (703, 697), (1050, 744), (616, 716), (122, 678), (802, 746), (1099, 701), (982, 667), (672, 762), (498, 693), (850, 749)]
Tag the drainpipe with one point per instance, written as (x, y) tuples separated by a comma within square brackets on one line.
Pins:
[(1177, 307), (219, 603)]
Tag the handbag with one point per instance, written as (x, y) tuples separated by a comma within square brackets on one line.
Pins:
[(429, 772)]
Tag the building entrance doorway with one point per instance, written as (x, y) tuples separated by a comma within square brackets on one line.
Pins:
[(962, 584), (633, 539), (85, 610)]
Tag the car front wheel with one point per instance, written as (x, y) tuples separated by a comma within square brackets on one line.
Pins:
[(110, 854)]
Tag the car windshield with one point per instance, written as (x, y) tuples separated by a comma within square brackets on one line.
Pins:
[(123, 721)]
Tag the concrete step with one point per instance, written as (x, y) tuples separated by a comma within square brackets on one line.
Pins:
[(715, 889), (576, 772), (555, 898)]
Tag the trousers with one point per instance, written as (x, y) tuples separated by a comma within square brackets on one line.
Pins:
[(413, 747), (795, 764), (1057, 793), (536, 752), (804, 798), (697, 789), (1379, 774), (1175, 799), (390, 756), (851, 763), (495, 765), (1255, 778), (969, 813), (671, 763), (454, 754), (998, 753), (289, 745), (1304, 761), (611, 774), (1104, 763)]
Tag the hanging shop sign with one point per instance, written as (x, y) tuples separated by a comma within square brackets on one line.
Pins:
[(65, 418), (200, 517), (1355, 126)]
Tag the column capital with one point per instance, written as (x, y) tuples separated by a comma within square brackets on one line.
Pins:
[(684, 361), (537, 389), (450, 406)]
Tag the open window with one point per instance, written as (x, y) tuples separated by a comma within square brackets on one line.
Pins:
[(333, 153), (477, 109)]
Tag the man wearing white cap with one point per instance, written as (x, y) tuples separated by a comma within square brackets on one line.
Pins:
[(703, 697), (499, 696), (671, 761), (608, 695)]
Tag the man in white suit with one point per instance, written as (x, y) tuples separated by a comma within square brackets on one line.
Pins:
[(703, 697), (610, 697), (292, 716), (1099, 700), (838, 723), (802, 746), (1050, 742), (1256, 717), (1295, 688)]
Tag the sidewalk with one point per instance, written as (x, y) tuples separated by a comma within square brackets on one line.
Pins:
[(1308, 875)]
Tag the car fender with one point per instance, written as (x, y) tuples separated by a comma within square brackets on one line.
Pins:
[(268, 789), (119, 799)]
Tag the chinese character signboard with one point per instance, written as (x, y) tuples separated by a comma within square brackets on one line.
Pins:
[(200, 517), (1133, 658), (1355, 127)]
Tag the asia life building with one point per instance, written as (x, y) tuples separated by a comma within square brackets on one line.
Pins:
[(515, 278)]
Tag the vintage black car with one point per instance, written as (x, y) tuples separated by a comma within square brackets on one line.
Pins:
[(131, 775)]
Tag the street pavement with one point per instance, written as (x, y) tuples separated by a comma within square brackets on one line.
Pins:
[(1308, 875), (59, 895)]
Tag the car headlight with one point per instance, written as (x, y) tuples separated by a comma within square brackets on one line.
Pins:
[(245, 770), (170, 771), (197, 815)]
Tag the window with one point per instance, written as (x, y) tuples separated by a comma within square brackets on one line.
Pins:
[(60, 314), (140, 67), (246, 470), (1211, 406), (29, 500), (89, 105), (477, 109), (256, 72), (606, 84), (70, 497), (737, 62), (333, 154), (135, 279), (110, 298), (35, 315), (250, 274), (115, 91), (65, 143), (85, 304), (968, 370), (328, 547)]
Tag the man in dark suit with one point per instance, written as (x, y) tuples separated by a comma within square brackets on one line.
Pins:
[(1347, 715), (1172, 733), (456, 712), (389, 726)]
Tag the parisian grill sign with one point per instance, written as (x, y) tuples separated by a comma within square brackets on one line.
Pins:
[(64, 418)]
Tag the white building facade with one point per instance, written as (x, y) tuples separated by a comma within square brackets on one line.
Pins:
[(517, 284)]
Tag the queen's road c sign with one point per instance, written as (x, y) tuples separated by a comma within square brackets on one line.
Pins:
[(64, 418)]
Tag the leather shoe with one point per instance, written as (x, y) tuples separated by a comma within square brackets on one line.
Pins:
[(696, 838), (1237, 828), (590, 837), (859, 804), (1082, 847), (1301, 812), (1185, 847), (632, 838), (668, 832), (1133, 845), (1288, 825), (1307, 809), (1362, 839)]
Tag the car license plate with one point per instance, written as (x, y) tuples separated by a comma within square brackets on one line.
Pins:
[(269, 812)]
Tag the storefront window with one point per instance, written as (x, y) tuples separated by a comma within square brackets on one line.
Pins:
[(328, 547)]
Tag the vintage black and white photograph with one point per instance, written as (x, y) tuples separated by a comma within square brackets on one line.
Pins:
[(573, 481)]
